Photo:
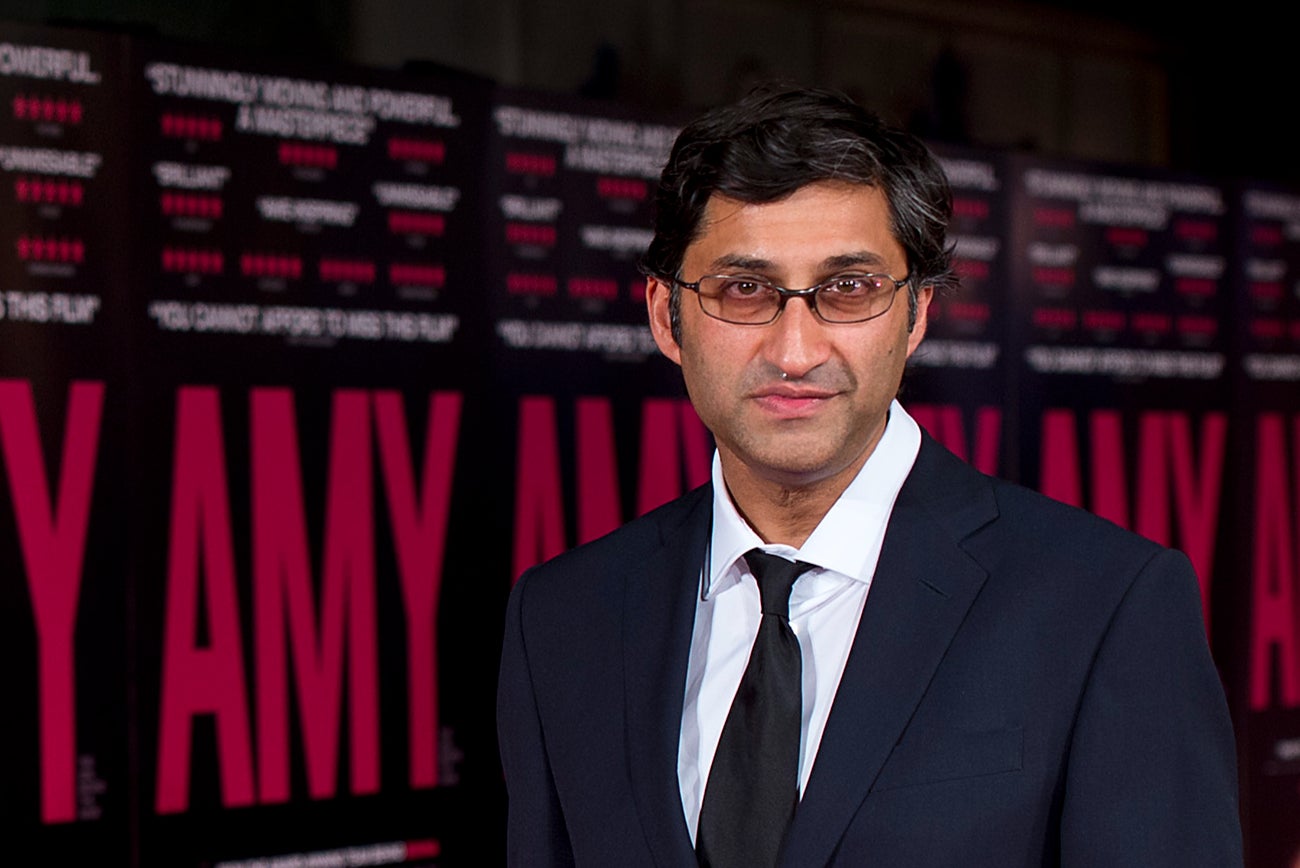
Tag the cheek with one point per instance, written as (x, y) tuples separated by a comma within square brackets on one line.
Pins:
[(693, 368), (704, 374), (878, 370), (713, 370)]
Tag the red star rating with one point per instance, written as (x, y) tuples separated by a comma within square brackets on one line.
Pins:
[(185, 126), (347, 270), (1267, 328), (48, 191), (38, 108), (520, 163), (192, 261), (173, 204), (539, 234), (621, 188), (308, 155), (429, 151), (974, 208), (971, 268), (270, 265), (531, 284), (39, 248), (400, 274), (592, 287), (416, 223)]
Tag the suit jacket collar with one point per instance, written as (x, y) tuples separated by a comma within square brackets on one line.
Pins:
[(659, 615), (925, 582)]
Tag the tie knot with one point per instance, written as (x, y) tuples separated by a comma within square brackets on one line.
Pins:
[(775, 576)]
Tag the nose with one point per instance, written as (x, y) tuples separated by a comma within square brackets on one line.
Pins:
[(798, 341)]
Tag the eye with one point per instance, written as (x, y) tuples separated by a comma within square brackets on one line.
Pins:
[(740, 287), (853, 284)]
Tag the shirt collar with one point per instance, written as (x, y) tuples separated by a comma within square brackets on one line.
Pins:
[(837, 543)]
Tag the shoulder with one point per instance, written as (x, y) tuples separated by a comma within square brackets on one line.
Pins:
[(1054, 525), (631, 541), (592, 572), (955, 491), (1051, 569), (1017, 534)]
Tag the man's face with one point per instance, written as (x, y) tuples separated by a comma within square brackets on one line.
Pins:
[(823, 419)]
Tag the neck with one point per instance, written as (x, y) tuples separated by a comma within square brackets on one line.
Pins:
[(781, 511)]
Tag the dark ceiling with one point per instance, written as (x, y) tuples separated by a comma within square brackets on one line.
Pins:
[(1227, 73)]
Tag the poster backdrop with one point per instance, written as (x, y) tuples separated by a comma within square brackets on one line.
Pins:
[(1120, 331), (1266, 293), (592, 425), (301, 366), (65, 590), (957, 382), (310, 357)]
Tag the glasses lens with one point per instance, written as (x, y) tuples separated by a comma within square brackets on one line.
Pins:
[(739, 299), (854, 298), (750, 301)]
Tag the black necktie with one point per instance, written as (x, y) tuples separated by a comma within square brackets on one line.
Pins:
[(753, 783)]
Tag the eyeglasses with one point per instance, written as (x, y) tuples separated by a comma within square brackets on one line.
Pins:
[(848, 298)]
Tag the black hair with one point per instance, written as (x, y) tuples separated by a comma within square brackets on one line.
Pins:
[(779, 138)]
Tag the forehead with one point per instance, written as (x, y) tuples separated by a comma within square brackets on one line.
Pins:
[(820, 223)]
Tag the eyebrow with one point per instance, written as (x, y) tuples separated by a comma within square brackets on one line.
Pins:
[(740, 261), (831, 263), (860, 257)]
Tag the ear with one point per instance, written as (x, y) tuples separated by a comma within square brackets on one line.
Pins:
[(657, 294), (923, 297)]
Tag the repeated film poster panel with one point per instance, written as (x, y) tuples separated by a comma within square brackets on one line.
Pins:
[(1266, 465), (956, 382), (66, 789), (1121, 284), (315, 661), (591, 419)]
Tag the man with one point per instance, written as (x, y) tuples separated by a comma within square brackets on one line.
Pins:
[(980, 676)]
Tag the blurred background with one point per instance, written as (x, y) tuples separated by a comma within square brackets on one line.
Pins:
[(1112, 80), (256, 355)]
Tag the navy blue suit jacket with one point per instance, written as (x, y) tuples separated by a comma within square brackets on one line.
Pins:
[(1029, 686)]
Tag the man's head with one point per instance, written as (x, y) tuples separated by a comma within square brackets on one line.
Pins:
[(778, 139), (805, 191)]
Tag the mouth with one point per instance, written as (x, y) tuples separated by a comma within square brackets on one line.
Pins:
[(792, 402)]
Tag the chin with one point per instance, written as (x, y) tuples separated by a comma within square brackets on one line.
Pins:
[(802, 473)]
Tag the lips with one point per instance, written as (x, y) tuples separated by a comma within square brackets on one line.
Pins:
[(792, 402)]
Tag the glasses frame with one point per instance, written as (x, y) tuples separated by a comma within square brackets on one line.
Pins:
[(784, 294)]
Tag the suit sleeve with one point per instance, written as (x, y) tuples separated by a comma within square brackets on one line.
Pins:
[(1152, 777), (536, 834)]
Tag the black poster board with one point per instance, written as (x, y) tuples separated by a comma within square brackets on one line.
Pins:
[(1266, 465), (300, 367), (1121, 286), (65, 613), (591, 421), (957, 381), (308, 289)]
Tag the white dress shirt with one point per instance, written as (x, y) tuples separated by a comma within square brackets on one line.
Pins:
[(825, 605)]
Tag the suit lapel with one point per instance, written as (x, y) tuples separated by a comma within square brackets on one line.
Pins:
[(923, 586), (659, 614)]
